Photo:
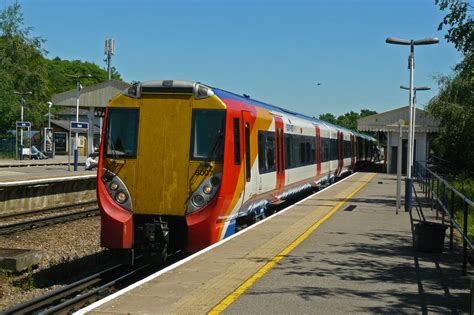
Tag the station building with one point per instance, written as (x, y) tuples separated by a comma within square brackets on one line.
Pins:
[(92, 102), (389, 123)]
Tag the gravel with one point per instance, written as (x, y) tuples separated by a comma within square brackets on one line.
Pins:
[(60, 244)]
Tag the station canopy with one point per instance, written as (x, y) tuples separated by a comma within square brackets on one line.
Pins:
[(389, 121), (96, 95)]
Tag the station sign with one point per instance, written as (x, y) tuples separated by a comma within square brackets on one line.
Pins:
[(23, 124), (79, 126)]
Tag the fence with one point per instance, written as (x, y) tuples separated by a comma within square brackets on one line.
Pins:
[(7, 146), (451, 204)]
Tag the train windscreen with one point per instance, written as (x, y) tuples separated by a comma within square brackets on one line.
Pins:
[(121, 133), (207, 139)]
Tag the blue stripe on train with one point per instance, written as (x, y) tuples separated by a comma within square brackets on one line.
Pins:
[(230, 229)]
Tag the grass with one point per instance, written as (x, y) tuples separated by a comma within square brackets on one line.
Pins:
[(466, 187)]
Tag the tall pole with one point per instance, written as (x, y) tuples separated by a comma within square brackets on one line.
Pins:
[(399, 164), (409, 180), (76, 152), (411, 65), (22, 102), (22, 105), (49, 114)]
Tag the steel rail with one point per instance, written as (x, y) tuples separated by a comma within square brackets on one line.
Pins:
[(42, 301), (40, 211), (32, 224), (82, 298)]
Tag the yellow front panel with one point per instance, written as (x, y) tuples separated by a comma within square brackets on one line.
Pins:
[(163, 155)]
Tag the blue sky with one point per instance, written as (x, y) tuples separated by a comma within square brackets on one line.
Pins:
[(275, 51)]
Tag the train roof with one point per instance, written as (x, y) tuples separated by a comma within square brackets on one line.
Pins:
[(203, 90), (226, 94)]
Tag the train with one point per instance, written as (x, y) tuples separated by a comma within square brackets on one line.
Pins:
[(184, 165)]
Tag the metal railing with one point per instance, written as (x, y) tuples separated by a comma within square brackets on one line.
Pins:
[(448, 202)]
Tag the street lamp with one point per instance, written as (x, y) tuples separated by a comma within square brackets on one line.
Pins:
[(22, 102), (50, 104), (421, 88), (77, 78), (411, 65)]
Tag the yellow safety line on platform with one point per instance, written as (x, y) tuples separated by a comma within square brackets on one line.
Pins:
[(227, 301)]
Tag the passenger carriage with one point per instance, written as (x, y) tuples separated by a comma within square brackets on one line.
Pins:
[(184, 165)]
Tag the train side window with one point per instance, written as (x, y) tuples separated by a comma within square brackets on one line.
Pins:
[(288, 143), (236, 141), (247, 152), (308, 152), (326, 149), (302, 152), (261, 152), (270, 152)]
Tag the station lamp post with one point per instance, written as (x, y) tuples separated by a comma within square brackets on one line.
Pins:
[(412, 130), (411, 66), (50, 104), (22, 96), (77, 78)]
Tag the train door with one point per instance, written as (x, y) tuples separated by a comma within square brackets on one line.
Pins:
[(280, 155), (340, 146), (250, 180), (318, 151), (352, 152)]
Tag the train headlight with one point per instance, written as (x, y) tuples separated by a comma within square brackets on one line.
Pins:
[(204, 194), (121, 197), (207, 189), (114, 186), (117, 189), (198, 200)]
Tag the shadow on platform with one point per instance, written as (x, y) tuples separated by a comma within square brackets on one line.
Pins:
[(391, 260)]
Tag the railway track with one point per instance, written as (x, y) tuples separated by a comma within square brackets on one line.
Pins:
[(45, 221), (85, 291), (79, 293), (23, 214)]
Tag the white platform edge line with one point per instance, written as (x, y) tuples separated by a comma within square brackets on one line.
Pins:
[(205, 250), (43, 180)]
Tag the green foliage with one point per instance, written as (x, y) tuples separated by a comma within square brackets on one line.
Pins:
[(348, 120), (328, 117), (454, 104), (23, 67), (461, 25), (58, 70)]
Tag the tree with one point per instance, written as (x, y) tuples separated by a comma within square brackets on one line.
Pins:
[(330, 118), (58, 70), (461, 25), (454, 108), (454, 104), (348, 120), (22, 68)]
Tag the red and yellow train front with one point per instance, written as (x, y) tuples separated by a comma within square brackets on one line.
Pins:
[(160, 168)]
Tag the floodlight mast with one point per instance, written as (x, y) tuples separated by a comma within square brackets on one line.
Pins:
[(411, 65)]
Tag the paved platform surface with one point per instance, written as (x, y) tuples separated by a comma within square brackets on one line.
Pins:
[(359, 260), (16, 170)]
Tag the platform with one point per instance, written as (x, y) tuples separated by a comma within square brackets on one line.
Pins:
[(16, 170), (341, 250)]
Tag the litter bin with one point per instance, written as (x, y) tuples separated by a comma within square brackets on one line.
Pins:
[(429, 237)]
